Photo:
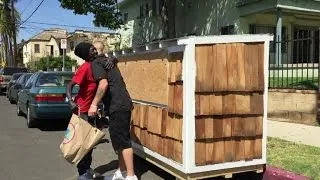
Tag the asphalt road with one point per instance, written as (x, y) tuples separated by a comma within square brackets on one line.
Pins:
[(34, 154)]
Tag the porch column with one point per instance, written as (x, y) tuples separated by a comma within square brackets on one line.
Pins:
[(279, 37)]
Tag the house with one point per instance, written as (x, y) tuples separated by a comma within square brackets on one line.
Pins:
[(294, 24), (111, 41), (48, 43)]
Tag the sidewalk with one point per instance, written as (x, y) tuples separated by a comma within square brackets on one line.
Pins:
[(298, 133)]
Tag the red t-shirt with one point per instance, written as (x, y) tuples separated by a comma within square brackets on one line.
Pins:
[(88, 87)]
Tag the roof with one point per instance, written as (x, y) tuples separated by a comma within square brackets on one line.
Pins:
[(46, 35), (124, 3)]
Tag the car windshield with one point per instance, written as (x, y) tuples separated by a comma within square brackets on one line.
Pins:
[(11, 70), (54, 79)]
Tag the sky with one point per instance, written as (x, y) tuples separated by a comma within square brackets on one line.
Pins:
[(50, 12)]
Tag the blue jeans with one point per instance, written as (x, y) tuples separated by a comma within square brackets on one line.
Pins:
[(86, 161)]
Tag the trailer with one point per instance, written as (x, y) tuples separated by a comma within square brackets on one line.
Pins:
[(200, 103)]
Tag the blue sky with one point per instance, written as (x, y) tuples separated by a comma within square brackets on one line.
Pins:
[(50, 12)]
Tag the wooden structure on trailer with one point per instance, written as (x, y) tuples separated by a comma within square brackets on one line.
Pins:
[(200, 103)]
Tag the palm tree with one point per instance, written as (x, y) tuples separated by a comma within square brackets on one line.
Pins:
[(8, 28)]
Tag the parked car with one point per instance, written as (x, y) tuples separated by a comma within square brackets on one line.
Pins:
[(13, 80), (18, 85), (44, 97), (6, 75)]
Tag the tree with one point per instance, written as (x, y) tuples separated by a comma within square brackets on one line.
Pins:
[(8, 28), (105, 12), (107, 15), (51, 63)]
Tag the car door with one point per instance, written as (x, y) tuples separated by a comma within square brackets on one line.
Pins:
[(25, 92), (17, 85)]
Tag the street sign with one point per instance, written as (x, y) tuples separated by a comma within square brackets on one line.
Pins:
[(63, 43)]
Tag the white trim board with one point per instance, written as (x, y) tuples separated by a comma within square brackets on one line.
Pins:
[(245, 38)]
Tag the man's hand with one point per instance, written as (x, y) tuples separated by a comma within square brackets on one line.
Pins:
[(93, 111), (73, 105)]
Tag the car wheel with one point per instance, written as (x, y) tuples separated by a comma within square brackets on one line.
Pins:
[(30, 120), (19, 112), (11, 100)]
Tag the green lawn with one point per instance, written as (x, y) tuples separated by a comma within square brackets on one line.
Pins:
[(301, 159), (295, 82)]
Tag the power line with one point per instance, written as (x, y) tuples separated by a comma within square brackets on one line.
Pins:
[(32, 12), (65, 25), (26, 7)]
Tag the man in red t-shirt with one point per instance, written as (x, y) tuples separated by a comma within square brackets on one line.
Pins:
[(82, 102)]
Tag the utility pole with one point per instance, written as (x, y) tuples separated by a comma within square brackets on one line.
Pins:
[(14, 27)]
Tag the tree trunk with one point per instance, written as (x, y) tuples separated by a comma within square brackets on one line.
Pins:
[(14, 29), (5, 47)]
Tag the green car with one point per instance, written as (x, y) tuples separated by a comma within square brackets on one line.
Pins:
[(43, 97)]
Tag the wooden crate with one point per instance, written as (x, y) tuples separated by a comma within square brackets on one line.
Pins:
[(200, 104)]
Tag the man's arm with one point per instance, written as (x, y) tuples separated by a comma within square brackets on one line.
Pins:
[(72, 104), (102, 88)]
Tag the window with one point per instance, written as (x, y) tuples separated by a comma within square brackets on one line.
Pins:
[(154, 7), (71, 45), (147, 10), (227, 30), (54, 79), (141, 11), (125, 18), (60, 50), (36, 48), (161, 4), (265, 29), (29, 82)]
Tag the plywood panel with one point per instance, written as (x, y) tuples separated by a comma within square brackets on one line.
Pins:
[(177, 57), (170, 148), (259, 125), (200, 128), (218, 151), (220, 69), (227, 126), (174, 126), (178, 151), (239, 148), (249, 126), (158, 121), (251, 67), (204, 57), (209, 151), (229, 104), (160, 145), (171, 98), (200, 152), (178, 98), (197, 104), (205, 104), (153, 71), (241, 78), (249, 148), (237, 127), (229, 149), (136, 115), (232, 66), (215, 101), (164, 123), (172, 71), (243, 104), (256, 103), (261, 66), (258, 147), (217, 127)]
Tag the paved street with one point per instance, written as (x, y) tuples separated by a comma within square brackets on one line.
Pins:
[(34, 154)]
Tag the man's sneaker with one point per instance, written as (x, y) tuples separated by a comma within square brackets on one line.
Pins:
[(86, 176), (116, 176), (131, 177)]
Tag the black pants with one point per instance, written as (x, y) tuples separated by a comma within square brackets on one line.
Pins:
[(86, 161)]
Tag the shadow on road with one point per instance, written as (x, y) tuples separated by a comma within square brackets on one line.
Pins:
[(59, 125)]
